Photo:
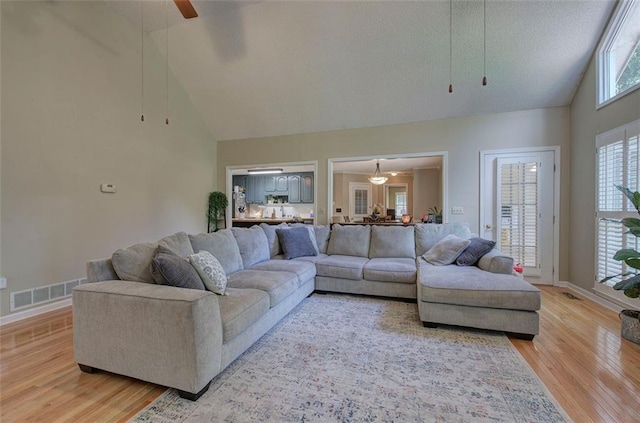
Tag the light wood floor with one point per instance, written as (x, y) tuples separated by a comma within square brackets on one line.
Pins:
[(579, 355)]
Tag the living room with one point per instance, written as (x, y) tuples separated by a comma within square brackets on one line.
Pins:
[(72, 102)]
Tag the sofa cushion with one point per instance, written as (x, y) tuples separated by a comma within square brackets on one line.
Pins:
[(391, 270), (338, 266), (304, 270), (311, 259), (253, 245), (471, 286), (296, 242), (279, 285), (210, 271), (322, 237), (350, 240), (392, 241), (476, 249), (447, 250), (134, 263), (223, 246), (272, 238), (239, 309), (428, 234), (178, 243), (177, 271)]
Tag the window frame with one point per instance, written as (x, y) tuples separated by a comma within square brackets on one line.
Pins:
[(602, 61), (610, 138)]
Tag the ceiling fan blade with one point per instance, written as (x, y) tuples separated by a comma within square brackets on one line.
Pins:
[(186, 8)]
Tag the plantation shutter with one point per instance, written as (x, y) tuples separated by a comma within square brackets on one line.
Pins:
[(617, 164), (518, 198), (361, 201)]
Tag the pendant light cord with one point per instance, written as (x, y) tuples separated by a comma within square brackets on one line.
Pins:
[(166, 23), (142, 61), (484, 28), (450, 44)]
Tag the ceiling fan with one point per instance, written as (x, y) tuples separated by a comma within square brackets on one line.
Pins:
[(186, 8)]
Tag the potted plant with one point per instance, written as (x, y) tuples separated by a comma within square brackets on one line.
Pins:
[(217, 205), (630, 284)]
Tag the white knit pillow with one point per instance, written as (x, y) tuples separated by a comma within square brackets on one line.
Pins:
[(210, 270)]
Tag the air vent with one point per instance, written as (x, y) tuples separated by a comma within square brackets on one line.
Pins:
[(571, 296), (44, 294)]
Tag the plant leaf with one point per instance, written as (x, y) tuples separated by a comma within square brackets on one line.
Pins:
[(608, 278), (634, 197), (633, 262), (626, 254), (631, 222), (628, 283), (633, 292)]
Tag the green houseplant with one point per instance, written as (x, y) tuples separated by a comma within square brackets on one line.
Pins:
[(217, 206), (435, 215), (630, 283)]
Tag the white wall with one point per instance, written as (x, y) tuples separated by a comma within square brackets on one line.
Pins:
[(586, 124), (463, 138), (71, 108)]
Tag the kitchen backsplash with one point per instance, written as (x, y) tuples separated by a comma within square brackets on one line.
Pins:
[(281, 210)]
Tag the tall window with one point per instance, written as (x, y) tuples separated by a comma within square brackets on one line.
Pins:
[(617, 164), (401, 203), (619, 53)]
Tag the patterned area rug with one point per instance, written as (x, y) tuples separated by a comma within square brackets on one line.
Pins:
[(339, 358)]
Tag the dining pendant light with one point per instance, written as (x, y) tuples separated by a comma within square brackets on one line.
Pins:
[(377, 178), (450, 44), (484, 51)]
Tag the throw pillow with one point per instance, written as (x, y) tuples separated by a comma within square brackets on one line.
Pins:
[(134, 263), (210, 270), (476, 249), (177, 271), (296, 242), (446, 251), (157, 276)]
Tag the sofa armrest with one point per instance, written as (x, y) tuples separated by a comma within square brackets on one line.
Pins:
[(161, 334), (496, 262)]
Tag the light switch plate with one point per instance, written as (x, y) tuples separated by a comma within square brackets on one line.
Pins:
[(3, 283), (457, 210)]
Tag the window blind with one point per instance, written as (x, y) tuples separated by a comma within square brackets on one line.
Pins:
[(617, 164), (519, 208)]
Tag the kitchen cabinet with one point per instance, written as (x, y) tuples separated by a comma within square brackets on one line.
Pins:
[(306, 188), (255, 193), (294, 188), (276, 185)]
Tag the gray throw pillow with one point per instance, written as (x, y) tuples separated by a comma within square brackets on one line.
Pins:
[(177, 271), (446, 251), (296, 242), (158, 278), (476, 249)]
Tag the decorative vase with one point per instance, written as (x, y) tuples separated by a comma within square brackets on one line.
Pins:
[(241, 215), (630, 327)]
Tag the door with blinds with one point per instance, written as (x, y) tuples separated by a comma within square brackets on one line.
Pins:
[(518, 203)]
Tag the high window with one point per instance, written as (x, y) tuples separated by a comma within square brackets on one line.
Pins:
[(617, 164), (619, 53)]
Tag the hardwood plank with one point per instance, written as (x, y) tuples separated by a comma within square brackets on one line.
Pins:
[(579, 355)]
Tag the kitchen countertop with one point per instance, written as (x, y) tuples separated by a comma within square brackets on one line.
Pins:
[(269, 220)]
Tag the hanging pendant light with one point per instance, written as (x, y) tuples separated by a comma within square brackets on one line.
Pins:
[(450, 44), (142, 61), (484, 28), (377, 178)]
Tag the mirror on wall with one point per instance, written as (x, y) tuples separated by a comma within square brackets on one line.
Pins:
[(413, 185)]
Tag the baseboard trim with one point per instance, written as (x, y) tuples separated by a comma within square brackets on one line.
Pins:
[(593, 297), (21, 315)]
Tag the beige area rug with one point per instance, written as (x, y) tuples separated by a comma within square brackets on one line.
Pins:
[(339, 358)]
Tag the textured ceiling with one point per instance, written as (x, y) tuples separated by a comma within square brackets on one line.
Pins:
[(255, 69)]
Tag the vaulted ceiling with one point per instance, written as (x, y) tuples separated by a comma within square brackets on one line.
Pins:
[(265, 68)]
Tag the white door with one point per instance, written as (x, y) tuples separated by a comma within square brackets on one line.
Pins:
[(518, 210), (359, 199)]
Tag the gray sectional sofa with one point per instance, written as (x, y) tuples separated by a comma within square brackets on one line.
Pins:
[(125, 322)]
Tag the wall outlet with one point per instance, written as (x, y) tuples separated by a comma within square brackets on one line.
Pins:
[(457, 210), (3, 283)]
